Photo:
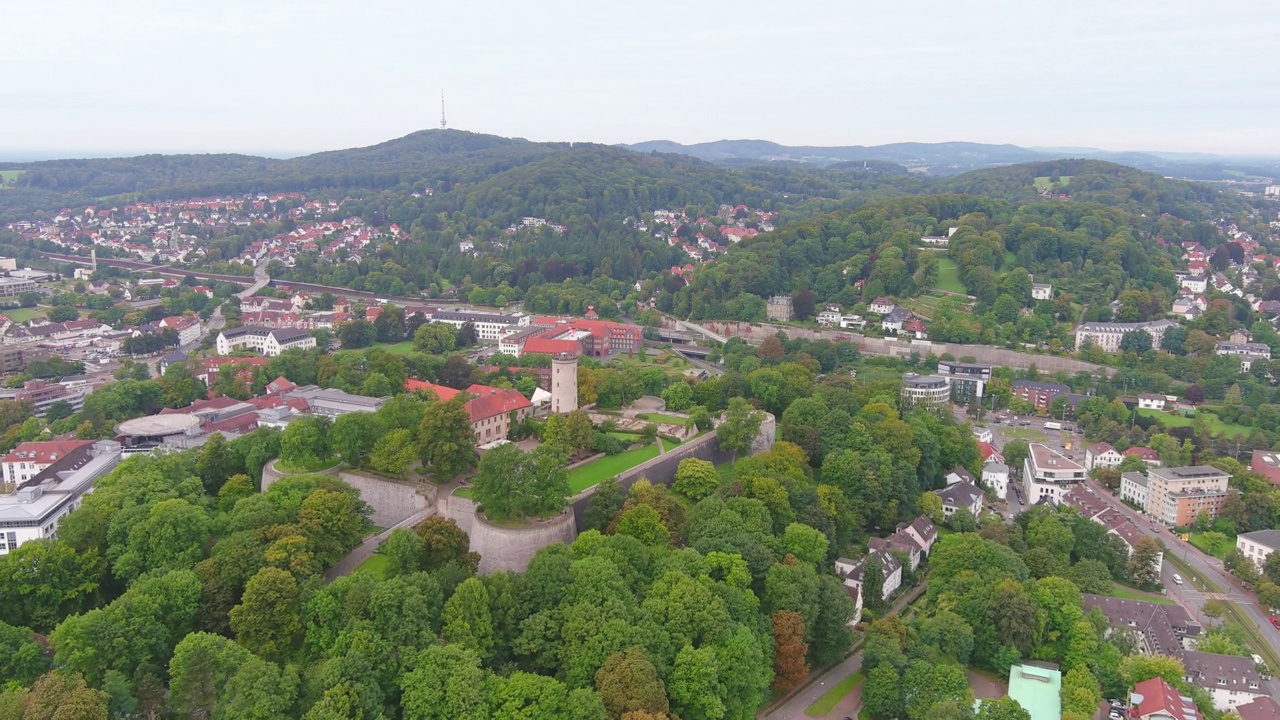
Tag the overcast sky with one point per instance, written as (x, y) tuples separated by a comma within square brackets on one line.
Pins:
[(292, 76)]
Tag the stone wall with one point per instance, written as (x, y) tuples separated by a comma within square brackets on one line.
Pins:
[(511, 548), (390, 501)]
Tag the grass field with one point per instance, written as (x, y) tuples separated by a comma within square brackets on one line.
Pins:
[(464, 492), (1197, 539), (1215, 424), (9, 177), (949, 276), (606, 467), (314, 467), (1043, 182), (671, 361), (376, 564), (660, 418), (21, 315), (1022, 433), (1127, 593), (832, 697), (400, 348)]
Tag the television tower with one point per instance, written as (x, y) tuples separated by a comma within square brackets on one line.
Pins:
[(443, 123)]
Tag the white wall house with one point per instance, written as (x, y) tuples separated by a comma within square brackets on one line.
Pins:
[(1133, 488), (1151, 401), (265, 341), (850, 571), (1102, 455), (1257, 545), (995, 475)]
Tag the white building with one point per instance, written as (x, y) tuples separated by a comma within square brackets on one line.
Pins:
[(995, 475), (1041, 291), (1107, 336), (1194, 283), (829, 318), (31, 458), (1151, 401), (928, 391), (1133, 488), (850, 571), (1257, 545), (1246, 351), (961, 493), (187, 326), (489, 326), (1102, 455), (265, 341), (1049, 474), (35, 508)]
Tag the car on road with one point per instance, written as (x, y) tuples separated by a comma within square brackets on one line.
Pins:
[(1177, 580), (1274, 622)]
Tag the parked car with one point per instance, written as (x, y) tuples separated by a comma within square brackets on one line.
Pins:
[(1274, 622)]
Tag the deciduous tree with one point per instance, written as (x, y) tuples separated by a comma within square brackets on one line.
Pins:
[(789, 650), (446, 441)]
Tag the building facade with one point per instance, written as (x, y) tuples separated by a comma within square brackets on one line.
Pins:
[(932, 392), (1175, 496), (968, 380), (779, 308), (265, 341), (1107, 336), (1133, 489), (1047, 474), (1039, 394), (489, 326), (1258, 545), (34, 510)]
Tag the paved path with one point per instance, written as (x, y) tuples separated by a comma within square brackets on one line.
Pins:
[(818, 683), (370, 545)]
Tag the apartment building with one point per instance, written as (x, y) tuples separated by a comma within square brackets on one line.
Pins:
[(932, 392), (1258, 545), (31, 458), (1039, 394), (265, 341), (489, 326), (1049, 474), (1175, 496), (1109, 335)]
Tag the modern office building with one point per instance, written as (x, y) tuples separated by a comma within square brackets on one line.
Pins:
[(1175, 496), (34, 509), (968, 380), (932, 392), (1049, 474)]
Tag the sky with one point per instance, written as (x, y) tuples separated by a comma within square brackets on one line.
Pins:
[(287, 77)]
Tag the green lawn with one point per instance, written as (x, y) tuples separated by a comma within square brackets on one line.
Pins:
[(669, 360), (400, 348), (1043, 182), (660, 418), (21, 315), (1022, 433), (949, 276), (606, 467), (376, 564), (1215, 424), (832, 697), (1197, 539), (464, 492), (1127, 593), (9, 177)]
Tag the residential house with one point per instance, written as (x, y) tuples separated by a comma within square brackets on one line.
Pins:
[(779, 309), (1256, 545), (881, 306), (1262, 708), (1246, 351), (1230, 681), (850, 572), (995, 476), (1102, 455), (896, 320), (1156, 699), (29, 459), (1108, 336), (187, 326), (1041, 291), (1145, 454), (1151, 401), (492, 410), (961, 495), (1161, 629)]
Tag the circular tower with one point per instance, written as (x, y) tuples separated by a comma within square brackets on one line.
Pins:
[(564, 383)]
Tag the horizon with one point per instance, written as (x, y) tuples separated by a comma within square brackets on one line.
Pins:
[(295, 77)]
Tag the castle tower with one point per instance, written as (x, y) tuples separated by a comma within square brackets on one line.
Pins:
[(564, 383)]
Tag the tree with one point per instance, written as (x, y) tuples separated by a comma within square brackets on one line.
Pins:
[(1136, 668), (569, 432), (389, 324), (215, 462), (1194, 394), (353, 436), (694, 686), (403, 550), (926, 684), (172, 537), (446, 440), (456, 373), (678, 396), (737, 432), (643, 523), (393, 453), (467, 620), (21, 658), (606, 502), (63, 313), (59, 696), (267, 620), (1138, 341), (357, 334), (305, 442), (202, 665), (511, 482), (1015, 453), (696, 479), (771, 350), (435, 338), (1014, 616), (806, 543), (1005, 708), (628, 682), (789, 650), (178, 388), (444, 542), (873, 583), (43, 581), (1143, 568), (882, 693)]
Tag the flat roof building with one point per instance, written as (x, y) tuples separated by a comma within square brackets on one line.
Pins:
[(1049, 474), (1038, 688), (35, 508)]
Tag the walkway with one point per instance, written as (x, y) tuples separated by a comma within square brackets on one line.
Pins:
[(370, 545), (802, 697)]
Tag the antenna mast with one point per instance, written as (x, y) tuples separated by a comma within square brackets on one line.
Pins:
[(443, 123)]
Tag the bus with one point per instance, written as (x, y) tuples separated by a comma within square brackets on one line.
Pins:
[(1053, 426)]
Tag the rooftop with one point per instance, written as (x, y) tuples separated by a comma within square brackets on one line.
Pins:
[(1037, 688), (1044, 459), (1267, 538), (170, 424)]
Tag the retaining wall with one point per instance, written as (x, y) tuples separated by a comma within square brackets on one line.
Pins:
[(391, 501), (511, 548)]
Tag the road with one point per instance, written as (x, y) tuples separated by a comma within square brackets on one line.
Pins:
[(1186, 594), (799, 701)]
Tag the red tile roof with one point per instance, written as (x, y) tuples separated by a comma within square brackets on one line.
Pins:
[(440, 391), (43, 452), (1159, 696), (1145, 453), (495, 401), (551, 346)]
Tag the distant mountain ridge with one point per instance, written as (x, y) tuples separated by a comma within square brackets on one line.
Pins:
[(951, 158)]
